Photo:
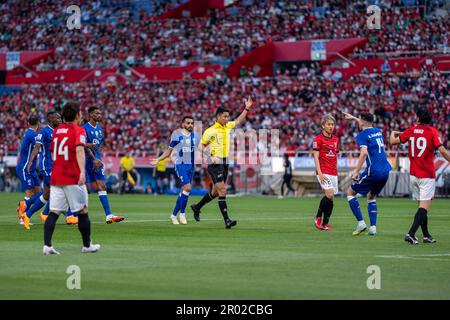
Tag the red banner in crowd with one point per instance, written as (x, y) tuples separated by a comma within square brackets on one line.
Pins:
[(112, 75)]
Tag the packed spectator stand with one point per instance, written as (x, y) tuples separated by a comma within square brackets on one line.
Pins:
[(140, 115)]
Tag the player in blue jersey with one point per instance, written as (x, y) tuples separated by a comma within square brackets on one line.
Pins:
[(30, 180), (183, 144), (42, 147), (95, 171), (373, 179)]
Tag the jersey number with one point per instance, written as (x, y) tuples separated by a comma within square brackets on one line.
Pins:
[(61, 150), (380, 144), (420, 144)]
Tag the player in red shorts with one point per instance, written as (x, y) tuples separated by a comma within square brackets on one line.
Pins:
[(67, 183), (325, 150), (423, 140)]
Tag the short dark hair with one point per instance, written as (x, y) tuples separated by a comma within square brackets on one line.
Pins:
[(33, 119), (367, 117), (92, 109), (51, 112), (221, 110), (186, 117), (425, 116), (70, 111)]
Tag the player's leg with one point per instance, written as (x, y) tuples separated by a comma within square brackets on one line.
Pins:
[(58, 204), (100, 178), (354, 206), (328, 208), (377, 186), (325, 205), (37, 194), (423, 191), (78, 201), (211, 195), (184, 197), (372, 210), (42, 200)]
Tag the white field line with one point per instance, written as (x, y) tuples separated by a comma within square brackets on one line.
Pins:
[(428, 257)]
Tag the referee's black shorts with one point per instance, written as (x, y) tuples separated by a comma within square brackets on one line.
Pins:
[(218, 172)]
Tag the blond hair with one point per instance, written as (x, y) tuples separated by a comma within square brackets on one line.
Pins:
[(327, 117)]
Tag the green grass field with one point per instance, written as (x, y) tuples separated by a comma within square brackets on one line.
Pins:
[(273, 253)]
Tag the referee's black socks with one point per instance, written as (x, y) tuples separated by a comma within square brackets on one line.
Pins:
[(49, 228), (419, 219), (223, 207), (206, 199), (84, 225)]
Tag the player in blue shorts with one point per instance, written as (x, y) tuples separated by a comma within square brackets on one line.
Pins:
[(373, 179), (42, 147), (95, 171), (183, 144), (30, 180)]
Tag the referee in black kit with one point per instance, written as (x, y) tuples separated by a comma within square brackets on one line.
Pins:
[(217, 139)]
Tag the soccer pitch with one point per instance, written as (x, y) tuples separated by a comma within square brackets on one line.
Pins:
[(273, 253)]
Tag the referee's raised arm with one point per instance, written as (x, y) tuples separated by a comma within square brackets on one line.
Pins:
[(248, 105)]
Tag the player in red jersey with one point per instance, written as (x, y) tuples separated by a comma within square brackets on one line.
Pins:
[(423, 141), (67, 183), (325, 150)]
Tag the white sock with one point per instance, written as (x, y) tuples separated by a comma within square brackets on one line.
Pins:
[(362, 223)]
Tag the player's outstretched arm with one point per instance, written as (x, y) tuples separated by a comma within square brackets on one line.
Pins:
[(34, 153), (165, 155), (81, 160), (348, 116), (394, 138), (444, 153), (248, 105)]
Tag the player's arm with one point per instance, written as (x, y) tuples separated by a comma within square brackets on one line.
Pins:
[(34, 153), (359, 165), (167, 153), (444, 153), (81, 159), (241, 119), (348, 116), (92, 146), (322, 178), (90, 154), (394, 138)]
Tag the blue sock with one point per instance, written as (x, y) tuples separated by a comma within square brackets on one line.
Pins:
[(29, 202), (47, 208), (177, 206), (39, 203), (184, 197), (70, 213), (105, 203), (354, 205), (373, 211)]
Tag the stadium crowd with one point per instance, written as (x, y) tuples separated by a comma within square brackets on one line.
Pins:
[(112, 32), (141, 115)]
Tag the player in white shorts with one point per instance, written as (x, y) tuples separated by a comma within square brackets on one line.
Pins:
[(325, 150), (67, 183)]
